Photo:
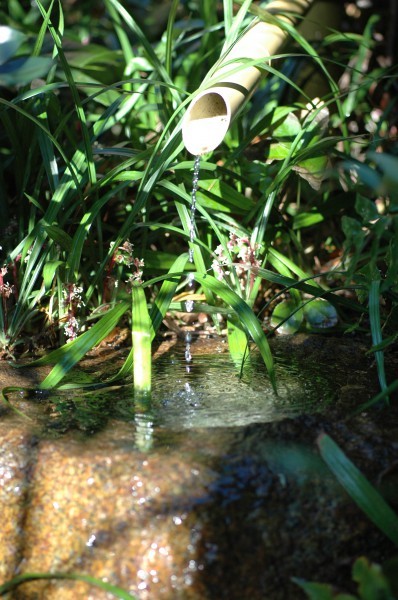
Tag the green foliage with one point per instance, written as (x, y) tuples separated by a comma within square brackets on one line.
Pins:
[(17, 69), (372, 584), (359, 488), (372, 581), (91, 161)]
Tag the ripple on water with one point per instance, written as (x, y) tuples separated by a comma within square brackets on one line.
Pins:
[(212, 393)]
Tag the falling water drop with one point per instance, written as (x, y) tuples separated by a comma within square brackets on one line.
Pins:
[(188, 355), (189, 304)]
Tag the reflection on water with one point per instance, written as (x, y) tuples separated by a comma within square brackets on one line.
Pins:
[(211, 393)]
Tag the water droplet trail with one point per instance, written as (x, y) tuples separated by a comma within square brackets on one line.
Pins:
[(189, 304), (195, 184)]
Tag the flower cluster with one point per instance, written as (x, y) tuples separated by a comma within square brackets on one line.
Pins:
[(245, 253), (136, 275), (6, 290), (124, 255), (72, 301), (73, 296), (71, 328)]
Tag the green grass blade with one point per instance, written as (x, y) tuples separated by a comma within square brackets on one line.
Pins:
[(383, 395), (246, 317), (318, 292), (103, 585), (68, 356), (165, 295), (146, 45), (141, 337), (159, 308), (232, 26), (75, 94), (359, 488), (277, 260), (375, 328), (228, 16), (169, 36)]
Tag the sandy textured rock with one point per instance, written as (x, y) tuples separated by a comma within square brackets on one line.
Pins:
[(16, 454), (106, 509)]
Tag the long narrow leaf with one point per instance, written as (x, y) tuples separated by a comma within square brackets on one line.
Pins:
[(375, 328), (165, 295), (75, 94), (107, 587), (141, 337), (359, 488), (246, 317), (69, 355)]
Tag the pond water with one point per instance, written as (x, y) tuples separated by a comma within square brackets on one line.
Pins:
[(211, 489), (208, 391)]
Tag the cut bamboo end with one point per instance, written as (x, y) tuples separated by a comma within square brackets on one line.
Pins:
[(210, 114), (206, 122)]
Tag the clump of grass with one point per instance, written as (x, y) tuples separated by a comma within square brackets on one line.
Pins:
[(304, 188)]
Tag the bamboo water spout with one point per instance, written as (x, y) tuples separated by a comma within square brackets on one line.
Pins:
[(210, 114)]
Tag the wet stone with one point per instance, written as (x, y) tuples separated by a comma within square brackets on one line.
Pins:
[(16, 454), (186, 498)]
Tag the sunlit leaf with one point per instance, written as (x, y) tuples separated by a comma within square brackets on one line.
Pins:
[(320, 314), (287, 317), (246, 316), (312, 170), (141, 337), (21, 71), (10, 41)]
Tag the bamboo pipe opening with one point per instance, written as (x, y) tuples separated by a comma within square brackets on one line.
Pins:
[(206, 123), (210, 114)]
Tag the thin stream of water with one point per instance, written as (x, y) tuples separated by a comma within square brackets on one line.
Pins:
[(195, 184), (189, 304)]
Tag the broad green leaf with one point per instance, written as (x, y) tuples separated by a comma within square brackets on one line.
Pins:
[(279, 151), (159, 308), (321, 591), (21, 71), (49, 271), (371, 580), (287, 317), (237, 343), (312, 170), (289, 128), (59, 236), (279, 260), (307, 219), (366, 209), (358, 487), (163, 299), (10, 41), (320, 314), (229, 198), (389, 165)]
